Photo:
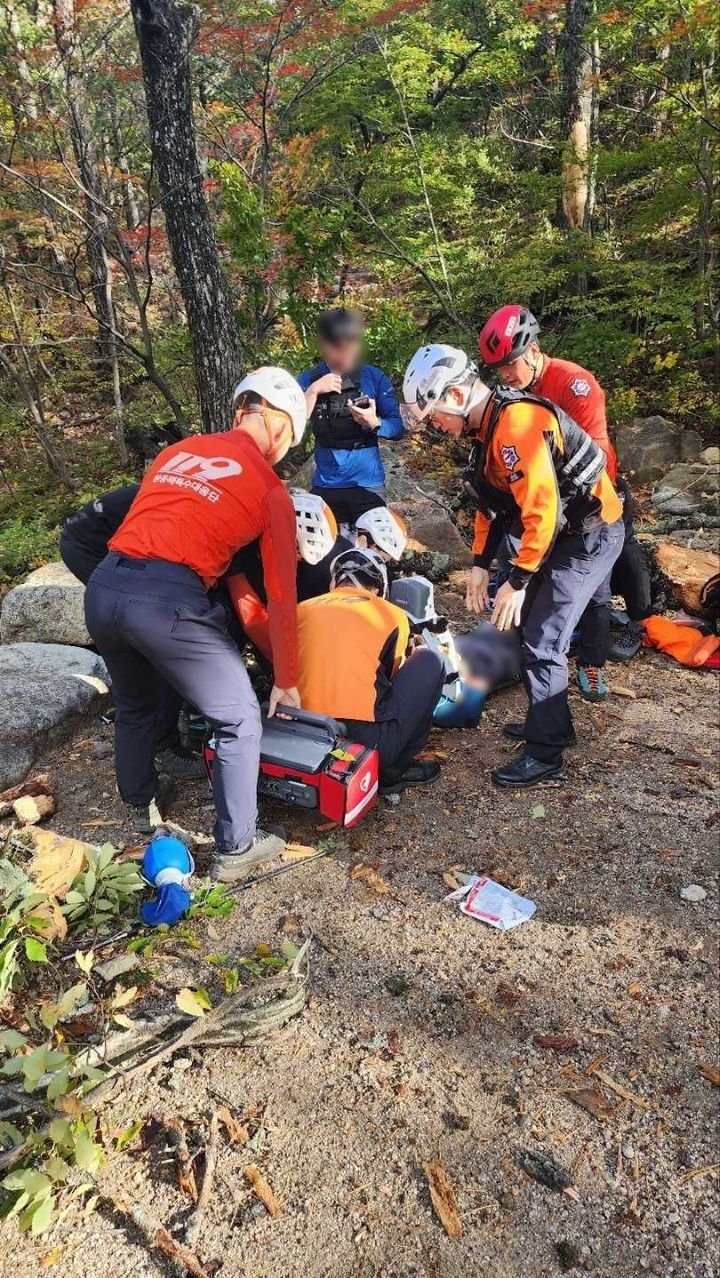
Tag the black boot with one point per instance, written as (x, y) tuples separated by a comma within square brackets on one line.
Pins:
[(526, 771), (420, 772)]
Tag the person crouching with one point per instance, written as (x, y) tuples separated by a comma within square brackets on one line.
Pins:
[(352, 665)]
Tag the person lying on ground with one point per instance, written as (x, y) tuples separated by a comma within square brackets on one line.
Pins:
[(351, 405), (147, 607), (509, 346), (353, 666), (535, 476)]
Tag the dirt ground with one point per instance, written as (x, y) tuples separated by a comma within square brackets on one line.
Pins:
[(367, 1085)]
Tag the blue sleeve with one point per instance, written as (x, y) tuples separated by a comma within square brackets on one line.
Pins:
[(305, 378), (391, 426)]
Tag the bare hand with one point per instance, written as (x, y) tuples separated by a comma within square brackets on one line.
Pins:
[(330, 384), (476, 593), (283, 697), (366, 416), (508, 607)]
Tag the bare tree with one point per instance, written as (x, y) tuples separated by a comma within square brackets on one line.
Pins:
[(165, 32), (581, 67)]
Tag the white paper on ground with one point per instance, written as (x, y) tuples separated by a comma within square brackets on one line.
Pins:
[(484, 899)]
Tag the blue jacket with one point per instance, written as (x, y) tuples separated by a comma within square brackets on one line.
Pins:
[(361, 468)]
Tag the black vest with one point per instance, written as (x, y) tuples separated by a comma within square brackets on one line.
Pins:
[(332, 422), (578, 467)]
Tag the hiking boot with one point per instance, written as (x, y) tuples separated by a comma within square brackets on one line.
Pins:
[(180, 763), (526, 771), (591, 683), (146, 817), (420, 772), (628, 644), (231, 867), (515, 731)]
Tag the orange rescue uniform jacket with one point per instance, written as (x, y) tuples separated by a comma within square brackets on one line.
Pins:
[(202, 500), (583, 398), (351, 644), (520, 462)]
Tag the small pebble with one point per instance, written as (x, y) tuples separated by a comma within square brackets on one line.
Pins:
[(693, 892)]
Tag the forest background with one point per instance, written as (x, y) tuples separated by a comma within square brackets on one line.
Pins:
[(184, 188)]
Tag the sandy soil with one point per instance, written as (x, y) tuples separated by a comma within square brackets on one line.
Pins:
[(368, 1084)]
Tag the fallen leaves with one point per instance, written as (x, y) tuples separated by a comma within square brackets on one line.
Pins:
[(710, 1072), (297, 852), (710, 1169), (557, 1042), (237, 1133), (442, 1196), (56, 861), (621, 691), (638, 1101), (262, 1189), (193, 1002), (368, 875), (592, 1100), (542, 1168)]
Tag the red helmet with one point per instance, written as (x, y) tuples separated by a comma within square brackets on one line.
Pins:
[(507, 335)]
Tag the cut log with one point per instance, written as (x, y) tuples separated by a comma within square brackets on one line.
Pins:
[(687, 571)]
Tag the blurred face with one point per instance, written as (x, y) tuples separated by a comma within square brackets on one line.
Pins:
[(343, 355), (449, 422), (520, 373)]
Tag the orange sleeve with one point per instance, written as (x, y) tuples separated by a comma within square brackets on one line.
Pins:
[(522, 455), (251, 612), (402, 640), (279, 560), (482, 530)]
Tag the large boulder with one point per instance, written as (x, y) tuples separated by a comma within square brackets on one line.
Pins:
[(45, 691), (45, 608), (430, 528), (689, 488), (686, 570), (648, 446)]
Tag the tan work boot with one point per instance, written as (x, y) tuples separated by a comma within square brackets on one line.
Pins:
[(231, 867)]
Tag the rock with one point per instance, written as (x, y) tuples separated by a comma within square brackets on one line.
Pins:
[(45, 608), (686, 570), (710, 456), (687, 489), (647, 446), (693, 893), (690, 445), (430, 528), (45, 691)]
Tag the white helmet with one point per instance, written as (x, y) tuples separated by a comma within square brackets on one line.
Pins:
[(363, 568), (280, 390), (316, 526), (385, 529), (430, 373)]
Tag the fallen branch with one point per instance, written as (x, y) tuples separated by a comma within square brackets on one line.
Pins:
[(156, 1235), (211, 1157)]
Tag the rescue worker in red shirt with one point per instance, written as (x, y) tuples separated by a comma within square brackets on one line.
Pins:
[(535, 475), (148, 611), (508, 344)]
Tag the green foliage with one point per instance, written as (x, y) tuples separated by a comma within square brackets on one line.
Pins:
[(102, 892)]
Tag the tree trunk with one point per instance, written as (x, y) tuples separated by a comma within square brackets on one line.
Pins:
[(165, 32), (579, 114)]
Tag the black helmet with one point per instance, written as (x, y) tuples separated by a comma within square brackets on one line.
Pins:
[(364, 568), (339, 324)]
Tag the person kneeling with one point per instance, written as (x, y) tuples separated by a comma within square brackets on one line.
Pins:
[(352, 644)]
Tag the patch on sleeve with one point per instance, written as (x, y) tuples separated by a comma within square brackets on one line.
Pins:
[(510, 456), (580, 386)]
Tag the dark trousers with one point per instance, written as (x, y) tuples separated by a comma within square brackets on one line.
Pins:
[(415, 691), (82, 562), (630, 576), (576, 569), (149, 619), (347, 504)]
